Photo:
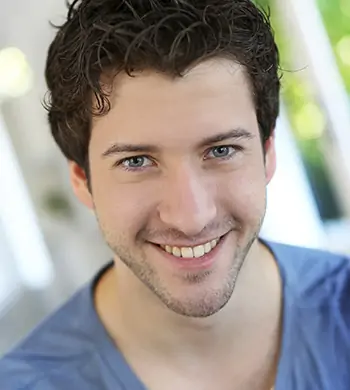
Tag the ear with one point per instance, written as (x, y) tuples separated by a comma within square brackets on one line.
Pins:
[(80, 186), (270, 158)]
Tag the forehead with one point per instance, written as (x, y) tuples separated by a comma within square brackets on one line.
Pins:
[(210, 98)]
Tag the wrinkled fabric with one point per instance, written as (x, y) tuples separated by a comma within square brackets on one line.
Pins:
[(71, 350)]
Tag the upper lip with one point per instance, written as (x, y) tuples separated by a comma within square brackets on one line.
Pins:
[(184, 244)]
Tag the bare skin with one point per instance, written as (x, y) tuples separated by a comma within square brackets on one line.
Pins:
[(241, 354), (180, 163)]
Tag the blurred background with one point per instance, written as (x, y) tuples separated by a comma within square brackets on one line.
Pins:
[(50, 245)]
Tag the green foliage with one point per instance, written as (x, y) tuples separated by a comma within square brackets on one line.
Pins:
[(307, 119), (336, 18)]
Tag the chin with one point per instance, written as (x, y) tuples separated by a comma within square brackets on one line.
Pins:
[(202, 304), (199, 294)]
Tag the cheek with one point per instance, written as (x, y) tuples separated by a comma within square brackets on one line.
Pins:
[(245, 194), (122, 207)]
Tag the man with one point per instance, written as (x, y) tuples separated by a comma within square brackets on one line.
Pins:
[(165, 110)]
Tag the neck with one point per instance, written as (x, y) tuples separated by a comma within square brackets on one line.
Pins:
[(131, 313)]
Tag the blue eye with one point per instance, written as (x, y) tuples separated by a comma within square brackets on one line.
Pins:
[(135, 163), (222, 152)]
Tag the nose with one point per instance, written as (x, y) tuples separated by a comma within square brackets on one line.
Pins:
[(188, 204)]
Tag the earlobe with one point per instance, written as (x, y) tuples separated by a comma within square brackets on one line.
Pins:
[(80, 185), (270, 158)]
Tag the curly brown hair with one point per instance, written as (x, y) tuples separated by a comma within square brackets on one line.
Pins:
[(169, 36)]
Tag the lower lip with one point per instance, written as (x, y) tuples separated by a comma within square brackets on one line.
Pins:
[(194, 263)]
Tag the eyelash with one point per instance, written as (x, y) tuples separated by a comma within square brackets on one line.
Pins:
[(128, 169), (235, 148)]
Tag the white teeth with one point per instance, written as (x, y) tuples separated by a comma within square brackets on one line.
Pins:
[(188, 252), (176, 251), (207, 247), (198, 251)]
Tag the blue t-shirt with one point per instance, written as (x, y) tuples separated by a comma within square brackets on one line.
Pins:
[(72, 351)]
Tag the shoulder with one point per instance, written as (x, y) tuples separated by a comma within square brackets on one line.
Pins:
[(316, 316), (312, 275), (59, 348), (316, 287)]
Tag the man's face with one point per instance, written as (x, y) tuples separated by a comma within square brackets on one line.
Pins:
[(178, 182)]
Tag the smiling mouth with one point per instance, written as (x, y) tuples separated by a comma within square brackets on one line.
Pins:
[(192, 251)]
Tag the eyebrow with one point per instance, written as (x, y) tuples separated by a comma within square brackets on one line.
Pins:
[(130, 148), (238, 133)]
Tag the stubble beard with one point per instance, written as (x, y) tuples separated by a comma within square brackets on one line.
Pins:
[(210, 302)]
